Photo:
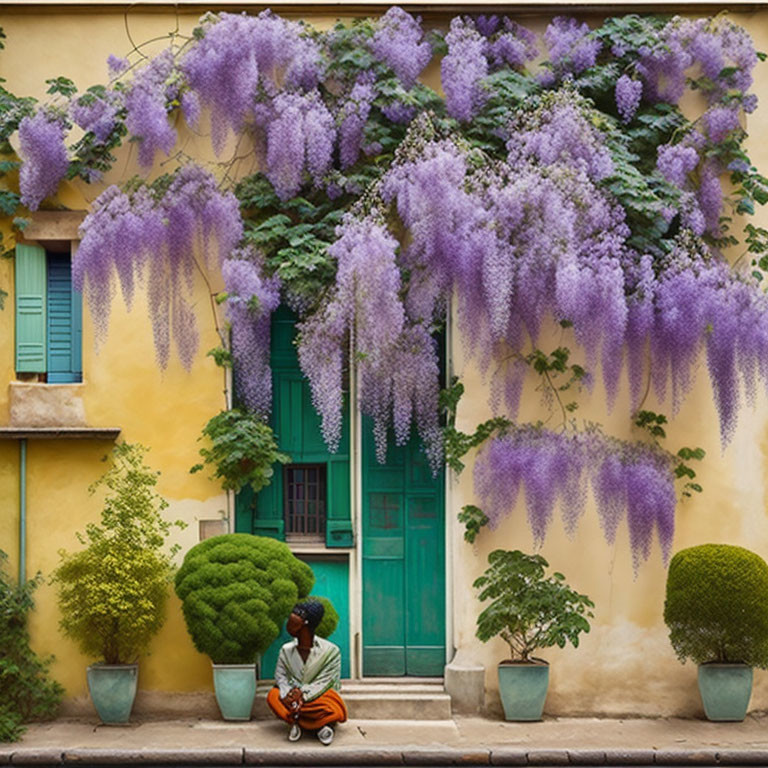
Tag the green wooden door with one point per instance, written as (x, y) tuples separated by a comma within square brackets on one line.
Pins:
[(403, 563)]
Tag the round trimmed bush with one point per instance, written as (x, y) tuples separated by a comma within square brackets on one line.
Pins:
[(717, 605), (330, 618), (237, 590)]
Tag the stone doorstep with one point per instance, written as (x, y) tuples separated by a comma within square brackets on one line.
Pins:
[(386, 756)]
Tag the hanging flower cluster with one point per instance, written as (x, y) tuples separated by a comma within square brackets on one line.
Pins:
[(241, 61), (157, 234), (251, 300), (399, 42), (632, 480), (42, 148), (397, 364)]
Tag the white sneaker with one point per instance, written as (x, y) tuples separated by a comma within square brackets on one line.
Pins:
[(295, 733), (325, 735)]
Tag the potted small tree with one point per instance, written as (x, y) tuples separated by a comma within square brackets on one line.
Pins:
[(237, 590), (716, 609), (113, 593), (528, 611)]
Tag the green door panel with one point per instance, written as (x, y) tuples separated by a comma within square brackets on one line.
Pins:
[(403, 563), (384, 661), (425, 662), (331, 581)]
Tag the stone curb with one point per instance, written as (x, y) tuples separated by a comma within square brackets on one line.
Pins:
[(385, 756), (324, 756), (685, 757), (216, 756), (629, 756)]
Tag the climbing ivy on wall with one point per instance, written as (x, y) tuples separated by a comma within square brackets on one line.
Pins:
[(573, 190)]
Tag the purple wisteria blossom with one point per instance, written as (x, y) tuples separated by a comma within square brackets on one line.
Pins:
[(97, 113), (300, 137), (629, 480), (116, 65), (676, 161), (44, 155), (353, 117), (240, 56), (463, 70), (513, 46), (628, 95), (146, 103), (133, 235), (399, 42), (251, 300), (571, 48)]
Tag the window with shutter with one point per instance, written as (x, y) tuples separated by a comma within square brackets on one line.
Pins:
[(48, 316)]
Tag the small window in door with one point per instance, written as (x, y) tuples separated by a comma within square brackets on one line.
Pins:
[(304, 501)]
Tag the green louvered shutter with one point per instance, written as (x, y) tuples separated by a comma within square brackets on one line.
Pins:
[(64, 323), (31, 292)]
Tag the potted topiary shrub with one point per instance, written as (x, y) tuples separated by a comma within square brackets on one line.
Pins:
[(237, 590), (528, 611), (113, 593), (716, 610)]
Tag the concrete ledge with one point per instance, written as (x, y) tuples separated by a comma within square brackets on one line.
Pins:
[(743, 757), (446, 757), (683, 757), (629, 756), (37, 756), (586, 757), (46, 405), (506, 756), (323, 756), (548, 757), (220, 756)]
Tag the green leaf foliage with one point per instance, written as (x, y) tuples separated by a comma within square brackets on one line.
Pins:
[(28, 692), (716, 605), (237, 590), (330, 618), (529, 610), (113, 593), (473, 519), (456, 443), (242, 448)]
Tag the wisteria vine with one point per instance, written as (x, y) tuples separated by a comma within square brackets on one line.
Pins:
[(574, 192)]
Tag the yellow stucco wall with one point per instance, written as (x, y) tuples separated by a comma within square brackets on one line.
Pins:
[(624, 665)]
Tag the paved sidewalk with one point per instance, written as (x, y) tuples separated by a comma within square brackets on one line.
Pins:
[(460, 741)]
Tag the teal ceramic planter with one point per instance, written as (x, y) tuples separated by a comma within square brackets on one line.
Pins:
[(235, 686), (725, 690), (113, 689), (523, 688)]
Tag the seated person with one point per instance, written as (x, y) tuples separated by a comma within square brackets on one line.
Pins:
[(307, 677)]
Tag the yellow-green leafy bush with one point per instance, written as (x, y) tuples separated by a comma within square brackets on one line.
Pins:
[(113, 593), (28, 692), (237, 590), (717, 605)]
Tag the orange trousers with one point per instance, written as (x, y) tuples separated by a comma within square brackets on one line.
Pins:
[(327, 708)]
